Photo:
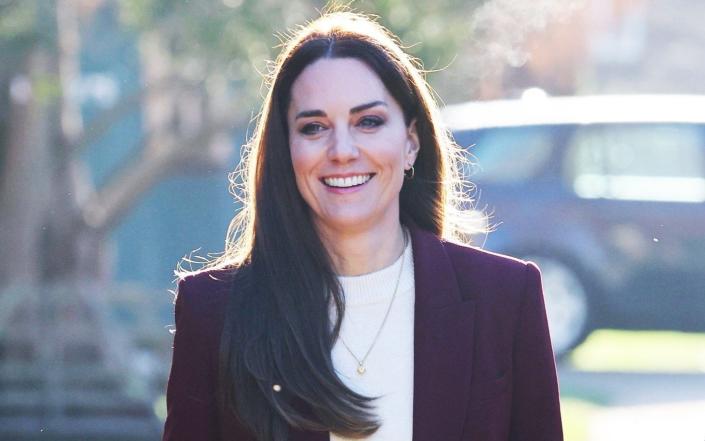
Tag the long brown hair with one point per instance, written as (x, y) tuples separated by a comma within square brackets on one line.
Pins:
[(277, 327)]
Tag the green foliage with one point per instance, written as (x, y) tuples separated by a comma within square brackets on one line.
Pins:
[(237, 37), (25, 23), (234, 39), (18, 20), (46, 89), (18, 30), (432, 31), (211, 29), (25, 26), (230, 38)]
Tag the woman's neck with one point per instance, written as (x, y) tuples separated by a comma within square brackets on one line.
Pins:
[(362, 252)]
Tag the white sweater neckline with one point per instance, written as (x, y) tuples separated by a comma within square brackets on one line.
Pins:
[(378, 286)]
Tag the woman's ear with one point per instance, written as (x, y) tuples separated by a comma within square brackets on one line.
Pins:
[(412, 143)]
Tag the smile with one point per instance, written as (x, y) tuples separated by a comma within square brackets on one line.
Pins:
[(349, 181)]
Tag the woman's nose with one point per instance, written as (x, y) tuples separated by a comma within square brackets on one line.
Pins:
[(343, 147)]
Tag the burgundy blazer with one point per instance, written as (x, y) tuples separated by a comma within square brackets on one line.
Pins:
[(483, 365)]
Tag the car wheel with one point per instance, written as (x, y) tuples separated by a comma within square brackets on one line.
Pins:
[(567, 305)]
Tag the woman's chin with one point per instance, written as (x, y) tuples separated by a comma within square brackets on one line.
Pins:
[(348, 222)]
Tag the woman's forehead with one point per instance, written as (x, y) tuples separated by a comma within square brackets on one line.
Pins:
[(336, 84)]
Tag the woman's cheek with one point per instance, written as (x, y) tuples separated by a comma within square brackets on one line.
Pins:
[(298, 155), (304, 159)]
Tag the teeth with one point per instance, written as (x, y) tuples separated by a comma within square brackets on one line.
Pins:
[(350, 181)]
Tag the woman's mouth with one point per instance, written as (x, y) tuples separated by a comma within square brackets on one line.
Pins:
[(348, 181)]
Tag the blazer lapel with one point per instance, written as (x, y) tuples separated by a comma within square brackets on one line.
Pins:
[(443, 343)]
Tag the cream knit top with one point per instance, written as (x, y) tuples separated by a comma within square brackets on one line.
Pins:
[(390, 365)]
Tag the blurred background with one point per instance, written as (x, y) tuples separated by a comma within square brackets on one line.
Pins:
[(121, 119)]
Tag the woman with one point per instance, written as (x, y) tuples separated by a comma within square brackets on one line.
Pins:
[(342, 308)]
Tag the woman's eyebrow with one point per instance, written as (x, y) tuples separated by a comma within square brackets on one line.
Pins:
[(362, 107), (310, 113), (356, 109)]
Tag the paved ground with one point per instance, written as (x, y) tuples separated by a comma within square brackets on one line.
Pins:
[(641, 406)]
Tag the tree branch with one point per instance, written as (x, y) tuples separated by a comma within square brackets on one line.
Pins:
[(105, 121), (113, 201)]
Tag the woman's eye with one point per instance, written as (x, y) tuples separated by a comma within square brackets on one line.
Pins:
[(311, 128), (369, 122)]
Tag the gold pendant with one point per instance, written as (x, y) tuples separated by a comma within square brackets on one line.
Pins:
[(361, 369)]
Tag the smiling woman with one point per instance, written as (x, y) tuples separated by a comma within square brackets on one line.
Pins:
[(348, 303), (349, 154)]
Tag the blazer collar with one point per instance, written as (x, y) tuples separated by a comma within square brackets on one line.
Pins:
[(443, 345)]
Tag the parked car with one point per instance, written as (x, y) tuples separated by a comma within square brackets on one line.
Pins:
[(606, 194)]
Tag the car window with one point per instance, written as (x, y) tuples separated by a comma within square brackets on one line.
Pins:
[(658, 162), (507, 155)]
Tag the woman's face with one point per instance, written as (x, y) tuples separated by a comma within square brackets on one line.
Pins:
[(349, 145)]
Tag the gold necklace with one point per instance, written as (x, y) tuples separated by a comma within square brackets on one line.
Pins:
[(361, 369)]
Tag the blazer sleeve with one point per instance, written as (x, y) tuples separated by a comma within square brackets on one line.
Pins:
[(190, 398), (535, 411)]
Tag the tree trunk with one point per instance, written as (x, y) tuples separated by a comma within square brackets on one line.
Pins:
[(26, 188)]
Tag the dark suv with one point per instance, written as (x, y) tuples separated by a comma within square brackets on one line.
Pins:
[(606, 194)]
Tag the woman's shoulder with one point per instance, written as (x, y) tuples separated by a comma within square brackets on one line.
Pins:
[(207, 285), (491, 272), (485, 260), (202, 295)]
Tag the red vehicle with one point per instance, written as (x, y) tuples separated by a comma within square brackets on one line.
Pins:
[(606, 194)]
